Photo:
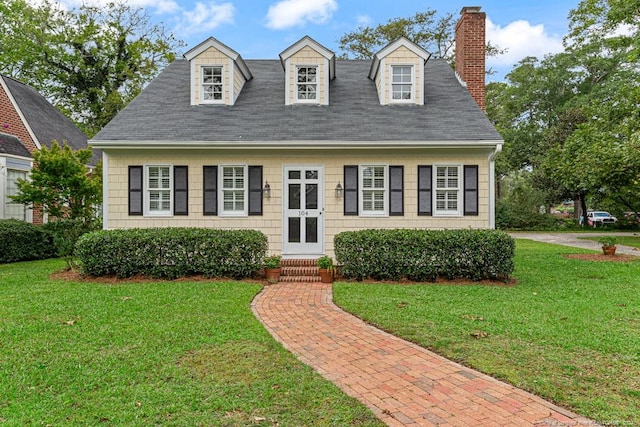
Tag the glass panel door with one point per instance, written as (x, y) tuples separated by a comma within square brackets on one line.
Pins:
[(303, 208)]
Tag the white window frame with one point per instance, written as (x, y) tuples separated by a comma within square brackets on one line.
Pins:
[(447, 190), (8, 202), (384, 189), (298, 100), (148, 191), (203, 85), (412, 83), (221, 191)]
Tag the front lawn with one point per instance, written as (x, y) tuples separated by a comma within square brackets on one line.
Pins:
[(569, 330), (139, 354)]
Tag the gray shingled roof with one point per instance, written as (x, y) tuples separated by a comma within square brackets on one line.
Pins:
[(163, 112), (10, 144), (46, 122)]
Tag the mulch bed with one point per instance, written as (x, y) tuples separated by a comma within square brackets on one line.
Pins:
[(72, 275), (603, 258), (75, 276)]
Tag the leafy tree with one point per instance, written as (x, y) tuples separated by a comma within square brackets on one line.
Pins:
[(435, 34), (61, 184), (89, 61), (572, 118)]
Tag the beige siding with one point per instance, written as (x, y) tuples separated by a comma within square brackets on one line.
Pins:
[(213, 56), (308, 56), (238, 83), (403, 56), (271, 220)]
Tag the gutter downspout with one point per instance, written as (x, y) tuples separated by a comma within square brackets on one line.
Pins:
[(492, 186)]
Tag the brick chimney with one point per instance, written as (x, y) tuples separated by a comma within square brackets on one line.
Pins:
[(470, 51)]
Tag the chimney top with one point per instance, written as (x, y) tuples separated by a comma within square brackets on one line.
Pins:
[(470, 9)]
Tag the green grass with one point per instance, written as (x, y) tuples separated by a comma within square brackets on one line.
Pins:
[(630, 240), (138, 354), (569, 331)]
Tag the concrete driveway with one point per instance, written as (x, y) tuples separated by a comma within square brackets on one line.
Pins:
[(571, 239)]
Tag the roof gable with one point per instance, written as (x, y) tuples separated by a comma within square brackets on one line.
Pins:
[(307, 41), (212, 42), (391, 47)]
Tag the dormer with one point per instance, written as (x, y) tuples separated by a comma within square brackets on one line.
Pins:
[(308, 68), (398, 71), (218, 73)]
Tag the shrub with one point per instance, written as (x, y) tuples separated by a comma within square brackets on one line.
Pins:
[(22, 241), (272, 261), (172, 252), (325, 262), (425, 255), (66, 232)]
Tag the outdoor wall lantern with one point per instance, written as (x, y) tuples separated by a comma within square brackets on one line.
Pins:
[(339, 191), (266, 191)]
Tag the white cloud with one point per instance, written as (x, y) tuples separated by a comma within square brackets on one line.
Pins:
[(363, 20), (292, 13), (206, 17), (521, 39)]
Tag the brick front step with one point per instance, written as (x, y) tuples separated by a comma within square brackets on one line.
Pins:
[(291, 262), (300, 279), (299, 270)]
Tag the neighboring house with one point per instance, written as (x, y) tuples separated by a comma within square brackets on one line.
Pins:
[(306, 146), (29, 121)]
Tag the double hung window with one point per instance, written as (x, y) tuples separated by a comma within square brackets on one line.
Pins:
[(212, 86), (307, 83), (12, 209), (401, 82), (159, 185), (448, 190), (373, 185), (234, 190)]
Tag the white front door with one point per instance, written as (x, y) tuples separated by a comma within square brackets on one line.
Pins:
[(303, 228)]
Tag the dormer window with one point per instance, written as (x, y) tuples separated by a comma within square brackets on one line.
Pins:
[(307, 83), (402, 82), (398, 72), (212, 84), (218, 73), (308, 68)]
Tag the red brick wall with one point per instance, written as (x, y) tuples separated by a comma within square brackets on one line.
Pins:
[(470, 52), (9, 116), (12, 124)]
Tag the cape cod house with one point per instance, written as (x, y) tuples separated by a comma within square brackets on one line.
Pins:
[(306, 146), (28, 122)]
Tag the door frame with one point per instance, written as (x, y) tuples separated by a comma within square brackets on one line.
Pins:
[(315, 249)]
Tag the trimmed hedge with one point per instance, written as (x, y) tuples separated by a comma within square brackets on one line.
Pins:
[(425, 255), (172, 252), (22, 241)]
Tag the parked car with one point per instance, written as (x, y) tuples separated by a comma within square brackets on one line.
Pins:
[(600, 218)]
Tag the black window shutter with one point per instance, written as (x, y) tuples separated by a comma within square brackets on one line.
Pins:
[(425, 192), (351, 190), (210, 190), (471, 190), (135, 190), (396, 193), (255, 190), (181, 190)]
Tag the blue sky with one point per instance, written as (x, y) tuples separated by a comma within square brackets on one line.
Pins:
[(263, 29)]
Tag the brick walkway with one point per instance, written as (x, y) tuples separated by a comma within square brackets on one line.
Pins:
[(402, 383)]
